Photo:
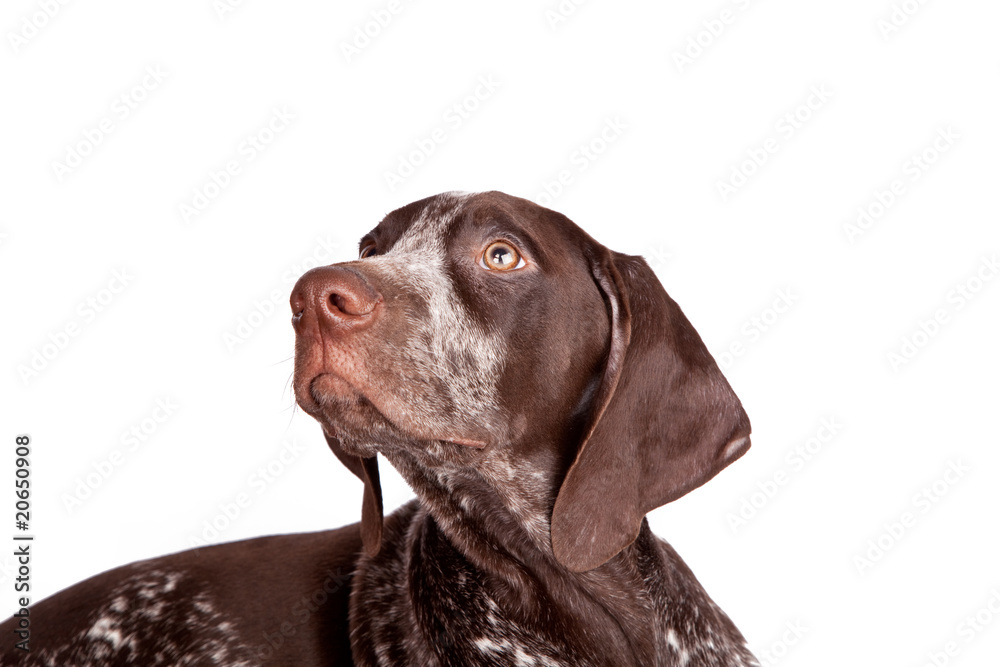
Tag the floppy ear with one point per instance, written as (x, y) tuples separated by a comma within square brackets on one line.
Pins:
[(366, 468), (662, 422)]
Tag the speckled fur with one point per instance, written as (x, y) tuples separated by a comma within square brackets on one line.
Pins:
[(189, 629), (420, 602), (488, 397), (466, 576)]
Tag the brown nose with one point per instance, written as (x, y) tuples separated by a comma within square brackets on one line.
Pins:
[(338, 297)]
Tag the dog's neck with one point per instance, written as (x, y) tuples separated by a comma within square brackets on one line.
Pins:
[(497, 518), (491, 525), (499, 508)]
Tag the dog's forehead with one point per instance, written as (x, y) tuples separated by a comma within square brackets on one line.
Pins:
[(419, 223), (431, 222)]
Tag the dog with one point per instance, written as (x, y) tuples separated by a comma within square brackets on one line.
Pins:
[(539, 392)]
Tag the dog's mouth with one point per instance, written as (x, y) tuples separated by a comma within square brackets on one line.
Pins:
[(327, 388), (474, 444), (340, 406)]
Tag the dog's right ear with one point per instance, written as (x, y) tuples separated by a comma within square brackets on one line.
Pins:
[(366, 468)]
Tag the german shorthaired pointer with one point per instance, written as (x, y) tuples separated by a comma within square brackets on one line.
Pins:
[(539, 392)]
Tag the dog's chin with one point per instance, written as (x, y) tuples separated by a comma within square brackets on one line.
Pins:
[(346, 414), (342, 410)]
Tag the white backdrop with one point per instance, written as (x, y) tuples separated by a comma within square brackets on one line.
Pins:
[(814, 183)]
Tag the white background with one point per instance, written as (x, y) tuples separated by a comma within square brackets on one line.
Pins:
[(654, 190)]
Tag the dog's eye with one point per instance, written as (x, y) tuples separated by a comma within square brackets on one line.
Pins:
[(368, 251), (501, 256)]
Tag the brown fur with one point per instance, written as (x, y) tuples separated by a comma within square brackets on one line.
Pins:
[(538, 413)]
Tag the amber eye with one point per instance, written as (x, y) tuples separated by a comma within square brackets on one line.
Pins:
[(368, 251), (502, 256)]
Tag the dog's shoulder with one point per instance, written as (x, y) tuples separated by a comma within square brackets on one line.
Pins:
[(697, 630)]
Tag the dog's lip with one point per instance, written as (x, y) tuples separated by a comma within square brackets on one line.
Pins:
[(464, 442), (306, 394), (326, 384)]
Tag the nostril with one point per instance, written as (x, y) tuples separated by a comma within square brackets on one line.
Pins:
[(338, 302), (350, 303), (298, 303)]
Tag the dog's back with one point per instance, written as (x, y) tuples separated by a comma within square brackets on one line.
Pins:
[(270, 600)]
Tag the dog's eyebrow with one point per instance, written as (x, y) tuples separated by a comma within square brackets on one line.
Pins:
[(498, 224)]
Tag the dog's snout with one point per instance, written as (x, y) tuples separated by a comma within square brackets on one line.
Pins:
[(336, 296)]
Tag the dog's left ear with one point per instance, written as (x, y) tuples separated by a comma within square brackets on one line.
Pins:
[(662, 422), (366, 468)]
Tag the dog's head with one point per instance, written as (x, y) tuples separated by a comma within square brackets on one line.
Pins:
[(477, 329)]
